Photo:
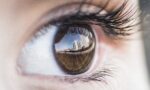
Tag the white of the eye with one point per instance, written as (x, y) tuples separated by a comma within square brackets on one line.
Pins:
[(37, 56)]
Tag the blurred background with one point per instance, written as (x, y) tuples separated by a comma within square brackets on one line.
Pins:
[(145, 8)]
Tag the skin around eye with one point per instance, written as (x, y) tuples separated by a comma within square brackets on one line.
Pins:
[(19, 18)]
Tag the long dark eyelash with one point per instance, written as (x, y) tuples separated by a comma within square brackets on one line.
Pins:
[(113, 22)]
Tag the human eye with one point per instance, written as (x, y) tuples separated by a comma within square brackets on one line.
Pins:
[(75, 39)]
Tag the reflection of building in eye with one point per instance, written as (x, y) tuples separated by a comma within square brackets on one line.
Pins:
[(81, 43), (76, 39), (76, 46)]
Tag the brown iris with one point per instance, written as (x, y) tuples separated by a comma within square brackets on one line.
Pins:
[(74, 47)]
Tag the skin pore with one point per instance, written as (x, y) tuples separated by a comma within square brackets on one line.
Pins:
[(19, 20)]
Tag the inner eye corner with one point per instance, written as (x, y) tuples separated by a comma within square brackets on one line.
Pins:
[(74, 48)]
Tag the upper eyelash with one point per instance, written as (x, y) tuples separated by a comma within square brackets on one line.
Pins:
[(112, 22)]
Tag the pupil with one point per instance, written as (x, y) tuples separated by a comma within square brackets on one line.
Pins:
[(74, 47)]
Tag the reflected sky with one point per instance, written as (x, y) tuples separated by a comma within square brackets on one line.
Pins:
[(76, 38)]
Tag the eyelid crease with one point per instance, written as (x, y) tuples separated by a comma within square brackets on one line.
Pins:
[(71, 8)]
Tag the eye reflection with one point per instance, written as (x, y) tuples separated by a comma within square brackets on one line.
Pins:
[(74, 47)]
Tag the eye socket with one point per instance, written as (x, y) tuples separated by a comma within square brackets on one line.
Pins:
[(40, 55), (74, 47)]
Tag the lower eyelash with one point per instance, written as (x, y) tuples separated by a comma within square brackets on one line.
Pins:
[(99, 76)]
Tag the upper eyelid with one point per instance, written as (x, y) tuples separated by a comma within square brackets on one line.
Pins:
[(49, 15), (117, 13), (50, 12), (77, 4), (45, 19)]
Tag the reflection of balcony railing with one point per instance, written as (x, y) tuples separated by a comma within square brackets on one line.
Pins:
[(79, 51)]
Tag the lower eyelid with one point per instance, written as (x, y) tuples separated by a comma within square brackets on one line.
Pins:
[(102, 77), (98, 76)]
